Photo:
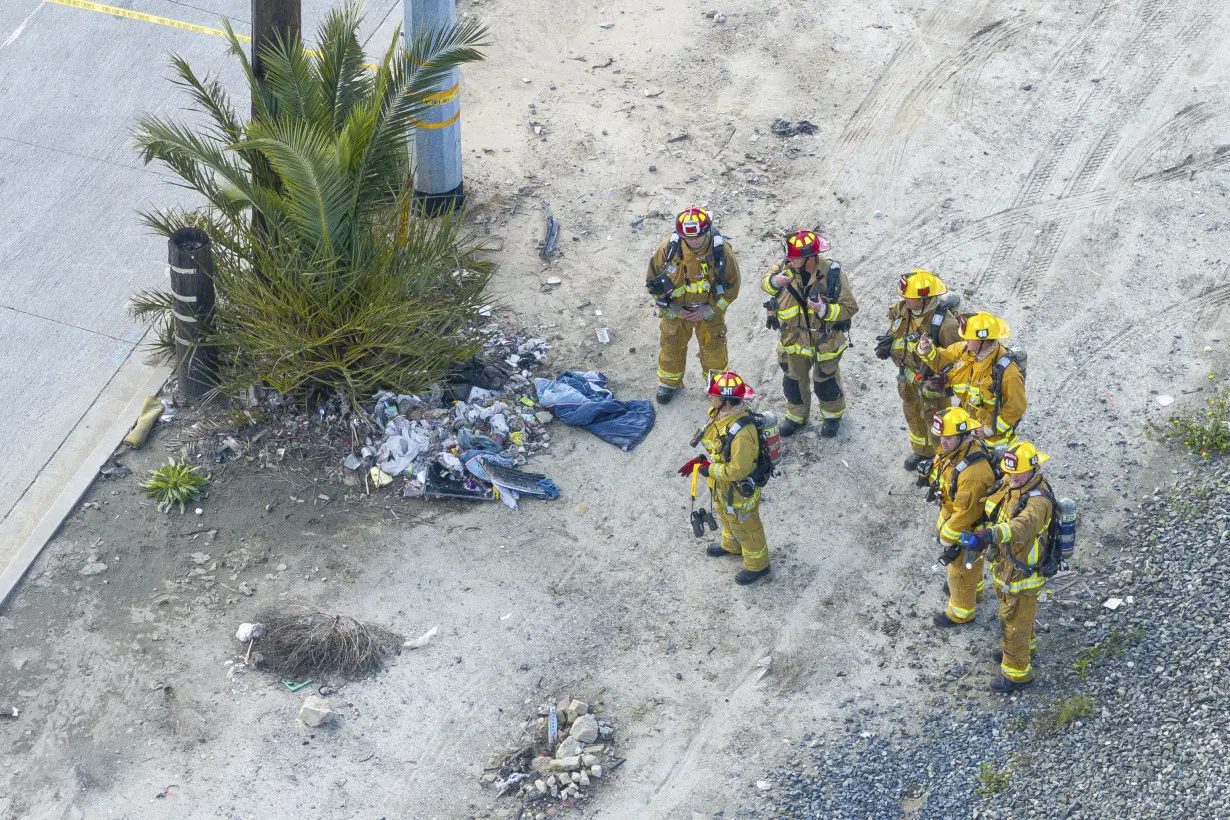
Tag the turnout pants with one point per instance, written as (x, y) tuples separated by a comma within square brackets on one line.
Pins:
[(743, 534), (964, 589), (918, 414), (825, 381), (1017, 612), (673, 349)]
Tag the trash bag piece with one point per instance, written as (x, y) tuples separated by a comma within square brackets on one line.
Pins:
[(583, 400)]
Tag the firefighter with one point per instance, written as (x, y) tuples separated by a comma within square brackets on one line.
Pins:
[(1019, 512), (962, 477), (923, 393), (693, 277), (731, 449), (982, 374), (811, 304)]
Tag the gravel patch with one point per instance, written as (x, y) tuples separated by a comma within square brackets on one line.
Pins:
[(1134, 721)]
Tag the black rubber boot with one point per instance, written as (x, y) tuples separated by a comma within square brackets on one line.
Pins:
[(913, 460), (942, 620), (829, 428), (789, 427), (1007, 687), (747, 576), (715, 550), (665, 394)]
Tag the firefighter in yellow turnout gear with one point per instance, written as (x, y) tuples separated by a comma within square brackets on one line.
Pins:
[(923, 393), (961, 477), (693, 277), (972, 369), (732, 446), (811, 305), (1019, 512)]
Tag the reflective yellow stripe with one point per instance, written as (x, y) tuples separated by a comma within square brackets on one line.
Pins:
[(723, 303), (964, 614), (949, 533), (828, 414), (797, 350), (794, 418), (1032, 582), (788, 313), (898, 344), (1016, 674), (930, 355), (1002, 426), (697, 287), (761, 553), (669, 377), (766, 285), (917, 439), (833, 312), (824, 357)]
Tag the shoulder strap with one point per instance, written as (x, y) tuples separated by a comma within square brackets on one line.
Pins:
[(673, 248), (997, 386), (972, 457), (719, 260)]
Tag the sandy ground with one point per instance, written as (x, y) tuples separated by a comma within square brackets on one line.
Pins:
[(1060, 162)]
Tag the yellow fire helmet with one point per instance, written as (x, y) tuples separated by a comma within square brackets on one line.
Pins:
[(1021, 458), (953, 421), (981, 327), (921, 284)]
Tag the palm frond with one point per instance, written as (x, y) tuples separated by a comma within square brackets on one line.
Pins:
[(344, 81), (209, 95), (291, 80)]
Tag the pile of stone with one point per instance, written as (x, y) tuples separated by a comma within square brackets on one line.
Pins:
[(565, 749)]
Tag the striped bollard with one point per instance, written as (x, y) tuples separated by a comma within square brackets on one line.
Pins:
[(191, 266), (437, 136)]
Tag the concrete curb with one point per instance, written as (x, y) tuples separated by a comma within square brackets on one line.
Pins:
[(85, 475)]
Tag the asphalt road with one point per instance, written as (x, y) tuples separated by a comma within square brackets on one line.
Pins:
[(72, 251)]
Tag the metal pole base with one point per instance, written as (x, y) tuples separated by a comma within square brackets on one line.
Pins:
[(439, 204)]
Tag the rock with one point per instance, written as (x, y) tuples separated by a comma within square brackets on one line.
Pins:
[(585, 729), (93, 568), (554, 280), (541, 786), (589, 760), (576, 777), (576, 708), (544, 417), (595, 771), (540, 765), (570, 747), (315, 711), (565, 764), (584, 779)]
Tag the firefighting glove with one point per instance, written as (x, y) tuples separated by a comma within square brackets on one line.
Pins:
[(704, 469), (686, 469), (950, 554), (884, 346)]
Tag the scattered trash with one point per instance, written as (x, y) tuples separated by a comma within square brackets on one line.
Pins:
[(114, 470), (785, 128), (606, 25), (562, 749), (295, 687), (150, 411), (763, 785), (1165, 401), (654, 92), (10, 712), (583, 400), (421, 640), (249, 632), (315, 711), (603, 334), (300, 642), (1112, 603), (552, 235), (764, 664), (165, 793), (679, 138)]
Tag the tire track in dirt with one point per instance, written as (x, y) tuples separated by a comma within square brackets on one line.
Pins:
[(1152, 39), (1210, 299)]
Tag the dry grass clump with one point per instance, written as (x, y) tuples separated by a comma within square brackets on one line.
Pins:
[(302, 642)]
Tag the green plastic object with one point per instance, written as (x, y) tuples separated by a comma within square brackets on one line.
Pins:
[(295, 687)]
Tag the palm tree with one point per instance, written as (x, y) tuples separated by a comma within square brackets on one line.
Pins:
[(342, 285)]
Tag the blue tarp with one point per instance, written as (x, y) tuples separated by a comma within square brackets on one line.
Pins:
[(583, 400)]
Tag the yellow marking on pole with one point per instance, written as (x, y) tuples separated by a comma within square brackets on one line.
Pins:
[(101, 8), (435, 126), (444, 97)]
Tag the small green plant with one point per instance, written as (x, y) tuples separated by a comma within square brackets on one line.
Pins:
[(175, 482), (1115, 645), (992, 781), (1072, 709), (1206, 431)]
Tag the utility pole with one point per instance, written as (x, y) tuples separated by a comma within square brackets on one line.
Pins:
[(271, 19), (437, 136)]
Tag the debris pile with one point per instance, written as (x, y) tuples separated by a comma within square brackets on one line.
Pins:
[(471, 448), (564, 750)]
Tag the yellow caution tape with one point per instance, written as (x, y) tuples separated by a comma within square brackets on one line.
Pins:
[(435, 126), (444, 97), (166, 21)]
